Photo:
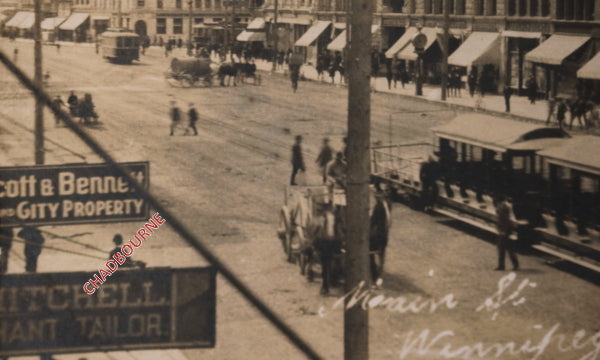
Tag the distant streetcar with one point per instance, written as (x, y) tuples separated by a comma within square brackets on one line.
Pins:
[(120, 45)]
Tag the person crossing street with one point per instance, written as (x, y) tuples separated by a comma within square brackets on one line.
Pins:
[(297, 159), (193, 117), (175, 116)]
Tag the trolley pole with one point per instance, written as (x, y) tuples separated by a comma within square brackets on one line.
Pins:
[(444, 46), (356, 320), (274, 35), (38, 79)]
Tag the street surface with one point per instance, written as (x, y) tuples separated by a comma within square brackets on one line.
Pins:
[(226, 184)]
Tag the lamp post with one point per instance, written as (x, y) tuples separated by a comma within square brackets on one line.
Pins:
[(189, 50), (419, 41)]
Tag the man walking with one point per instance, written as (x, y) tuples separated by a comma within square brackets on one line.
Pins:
[(504, 227), (175, 116), (507, 93), (325, 156), (532, 89), (193, 116), (33, 247), (297, 159), (58, 103), (6, 238)]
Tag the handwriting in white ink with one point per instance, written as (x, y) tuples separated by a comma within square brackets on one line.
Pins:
[(497, 300), (422, 345)]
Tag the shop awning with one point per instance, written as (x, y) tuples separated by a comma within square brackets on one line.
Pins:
[(289, 20), (51, 23), (312, 33), (16, 19), (28, 21), (401, 43), (522, 34), (479, 48), (339, 43), (100, 18), (256, 24), (554, 50), (339, 25), (251, 36), (591, 69), (408, 52), (74, 21)]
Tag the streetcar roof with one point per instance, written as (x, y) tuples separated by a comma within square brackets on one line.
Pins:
[(579, 152), (536, 144), (492, 132)]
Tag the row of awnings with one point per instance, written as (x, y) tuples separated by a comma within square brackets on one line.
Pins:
[(25, 20), (339, 43)]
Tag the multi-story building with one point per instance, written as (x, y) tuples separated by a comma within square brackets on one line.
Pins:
[(509, 40)]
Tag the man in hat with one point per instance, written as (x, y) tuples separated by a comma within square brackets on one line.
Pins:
[(129, 262), (33, 247), (175, 116), (193, 117), (297, 159), (325, 156), (504, 227), (58, 103)]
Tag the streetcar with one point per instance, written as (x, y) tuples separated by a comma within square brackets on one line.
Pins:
[(120, 45), (551, 181)]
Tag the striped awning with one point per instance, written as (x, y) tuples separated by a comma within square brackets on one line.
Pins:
[(339, 43), (591, 69), (74, 21), (256, 24), (401, 43), (19, 18), (556, 49), (479, 48), (312, 33), (408, 52), (27, 22), (51, 23), (251, 36)]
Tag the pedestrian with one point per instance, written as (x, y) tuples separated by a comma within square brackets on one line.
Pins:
[(58, 48), (472, 82), (374, 69), (175, 116), (294, 75), (396, 70), (561, 110), (33, 246), (380, 222), (325, 156), (532, 89), (129, 262), (389, 75), (58, 104), (483, 83), (507, 93), (73, 102), (320, 66), (97, 46), (297, 159), (193, 117), (504, 227), (6, 238), (15, 55), (404, 77), (551, 107)]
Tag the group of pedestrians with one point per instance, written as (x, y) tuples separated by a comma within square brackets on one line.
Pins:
[(584, 111), (332, 169), (33, 239), (330, 63), (177, 118)]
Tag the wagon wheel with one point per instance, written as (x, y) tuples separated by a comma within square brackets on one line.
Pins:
[(284, 230)]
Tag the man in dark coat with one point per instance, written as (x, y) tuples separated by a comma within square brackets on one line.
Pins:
[(193, 116), (6, 238), (325, 156), (507, 94), (504, 227), (297, 159), (472, 81), (33, 246), (532, 89), (175, 116)]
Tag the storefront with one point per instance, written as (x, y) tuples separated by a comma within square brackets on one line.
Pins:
[(76, 28), (480, 54), (49, 28), (519, 43), (314, 40)]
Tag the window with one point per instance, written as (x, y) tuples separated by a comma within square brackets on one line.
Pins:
[(545, 7), (159, 4), (478, 7), (522, 8), (217, 4), (533, 8), (207, 4), (512, 7), (161, 25), (491, 7), (140, 3), (178, 4), (197, 4), (460, 7), (198, 20), (427, 6), (437, 6), (178, 26)]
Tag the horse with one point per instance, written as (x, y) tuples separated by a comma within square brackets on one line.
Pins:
[(84, 110), (228, 69), (248, 70)]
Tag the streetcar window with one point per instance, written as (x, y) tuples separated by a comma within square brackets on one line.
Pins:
[(119, 42), (126, 42), (544, 168), (477, 153), (589, 184), (518, 163)]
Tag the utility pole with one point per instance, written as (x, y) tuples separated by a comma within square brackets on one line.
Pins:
[(39, 82), (274, 35), (356, 320), (190, 43), (445, 27)]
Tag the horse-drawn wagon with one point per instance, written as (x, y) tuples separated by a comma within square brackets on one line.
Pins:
[(189, 72), (312, 230)]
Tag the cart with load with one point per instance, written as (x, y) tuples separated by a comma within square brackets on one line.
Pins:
[(189, 72)]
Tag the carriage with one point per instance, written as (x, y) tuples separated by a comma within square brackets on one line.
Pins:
[(551, 181), (84, 109), (298, 228), (190, 72)]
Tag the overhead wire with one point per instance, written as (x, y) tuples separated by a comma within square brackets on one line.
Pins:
[(173, 221)]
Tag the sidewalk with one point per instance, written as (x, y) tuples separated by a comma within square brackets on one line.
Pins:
[(492, 103)]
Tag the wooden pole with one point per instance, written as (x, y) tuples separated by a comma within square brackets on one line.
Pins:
[(356, 320), (39, 81), (444, 46), (274, 35)]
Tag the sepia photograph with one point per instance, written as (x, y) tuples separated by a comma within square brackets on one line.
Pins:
[(299, 179)]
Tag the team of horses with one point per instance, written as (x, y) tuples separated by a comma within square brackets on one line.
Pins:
[(239, 72)]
